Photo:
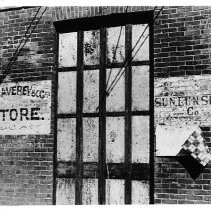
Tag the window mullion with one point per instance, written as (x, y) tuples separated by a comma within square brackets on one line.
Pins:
[(102, 119), (79, 120), (128, 121)]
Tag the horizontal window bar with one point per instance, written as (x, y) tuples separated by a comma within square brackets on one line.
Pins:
[(140, 171)]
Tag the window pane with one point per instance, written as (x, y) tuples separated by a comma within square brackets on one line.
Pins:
[(68, 49), (140, 88), (115, 147), (142, 52), (66, 140), (65, 191), (140, 192), (91, 47), (115, 191), (90, 139), (140, 139), (67, 92), (90, 192), (116, 100), (113, 35), (91, 91)]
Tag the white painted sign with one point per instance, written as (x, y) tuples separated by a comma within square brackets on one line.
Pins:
[(184, 100), (169, 140), (25, 108), (181, 104)]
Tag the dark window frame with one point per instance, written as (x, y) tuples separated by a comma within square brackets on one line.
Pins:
[(80, 25)]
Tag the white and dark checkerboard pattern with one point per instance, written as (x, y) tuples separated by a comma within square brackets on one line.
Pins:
[(197, 147)]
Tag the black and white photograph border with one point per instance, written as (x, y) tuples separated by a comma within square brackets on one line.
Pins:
[(105, 103)]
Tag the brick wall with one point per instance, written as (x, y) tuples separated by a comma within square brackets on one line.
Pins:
[(26, 162), (182, 41), (182, 47)]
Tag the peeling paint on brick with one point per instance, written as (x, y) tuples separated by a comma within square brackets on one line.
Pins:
[(29, 54)]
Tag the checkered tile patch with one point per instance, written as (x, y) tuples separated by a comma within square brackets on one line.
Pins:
[(197, 147)]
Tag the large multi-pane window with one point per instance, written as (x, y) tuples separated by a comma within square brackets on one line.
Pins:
[(103, 115)]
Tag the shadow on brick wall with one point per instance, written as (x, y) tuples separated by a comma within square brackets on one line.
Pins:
[(193, 167)]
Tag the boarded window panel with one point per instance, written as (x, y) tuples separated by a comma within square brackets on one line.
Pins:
[(113, 35), (91, 91), (116, 100), (65, 191), (140, 192), (68, 49), (143, 52), (115, 139), (67, 92), (140, 139), (90, 192), (140, 88), (91, 47), (90, 139), (66, 139), (115, 191)]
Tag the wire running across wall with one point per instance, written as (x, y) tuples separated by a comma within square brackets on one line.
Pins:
[(121, 71), (22, 42)]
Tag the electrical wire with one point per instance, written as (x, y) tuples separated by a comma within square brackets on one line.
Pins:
[(17, 52), (22, 39), (120, 74), (31, 31), (116, 79), (126, 59), (114, 56)]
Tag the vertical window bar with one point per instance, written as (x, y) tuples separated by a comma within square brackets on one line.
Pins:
[(79, 125), (102, 119), (128, 121), (151, 106), (56, 119)]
